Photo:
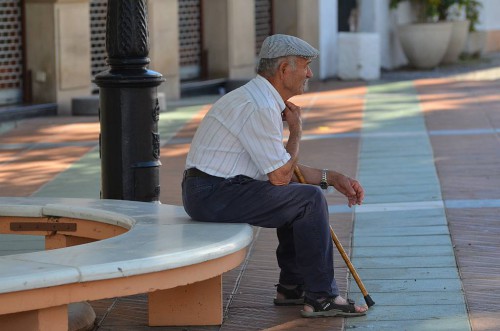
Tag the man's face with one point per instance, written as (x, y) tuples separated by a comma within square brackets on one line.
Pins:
[(297, 77)]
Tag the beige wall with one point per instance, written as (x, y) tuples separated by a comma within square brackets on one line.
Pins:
[(241, 39), (40, 50), (58, 42), (298, 18), (58, 50), (229, 38), (164, 44), (308, 28), (315, 21), (215, 42), (493, 41), (489, 24), (285, 17)]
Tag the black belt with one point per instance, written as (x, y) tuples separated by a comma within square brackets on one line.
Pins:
[(193, 172)]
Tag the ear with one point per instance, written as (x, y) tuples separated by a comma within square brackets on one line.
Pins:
[(283, 67)]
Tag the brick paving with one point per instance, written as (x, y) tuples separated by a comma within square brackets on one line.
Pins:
[(467, 158), (462, 121)]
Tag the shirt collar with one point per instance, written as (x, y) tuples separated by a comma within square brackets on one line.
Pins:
[(262, 81)]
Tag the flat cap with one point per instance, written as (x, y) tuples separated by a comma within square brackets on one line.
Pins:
[(279, 45)]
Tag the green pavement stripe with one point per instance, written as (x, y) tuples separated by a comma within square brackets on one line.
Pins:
[(395, 298), (36, 145), (446, 323), (402, 231), (402, 222), (82, 178), (404, 251), (393, 263), (401, 242), (415, 313), (402, 217), (410, 273), (386, 207), (403, 197), (171, 122), (7, 126), (422, 286)]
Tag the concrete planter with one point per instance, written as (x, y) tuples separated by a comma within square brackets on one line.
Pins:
[(459, 32), (475, 43), (425, 44)]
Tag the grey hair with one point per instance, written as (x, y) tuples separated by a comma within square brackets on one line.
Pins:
[(268, 67)]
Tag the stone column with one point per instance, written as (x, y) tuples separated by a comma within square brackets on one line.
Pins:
[(163, 22), (315, 21), (58, 50), (229, 38)]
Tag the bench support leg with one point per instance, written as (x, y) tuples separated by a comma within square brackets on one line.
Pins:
[(194, 304), (48, 319), (61, 241)]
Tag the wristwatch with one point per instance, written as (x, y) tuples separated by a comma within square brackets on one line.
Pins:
[(324, 183)]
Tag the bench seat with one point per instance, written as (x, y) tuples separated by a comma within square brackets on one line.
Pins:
[(156, 249)]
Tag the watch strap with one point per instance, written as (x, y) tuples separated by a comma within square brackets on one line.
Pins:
[(324, 179)]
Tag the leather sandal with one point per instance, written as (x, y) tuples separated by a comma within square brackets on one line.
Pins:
[(292, 297), (328, 308)]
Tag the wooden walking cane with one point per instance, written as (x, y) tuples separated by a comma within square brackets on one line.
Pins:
[(340, 248)]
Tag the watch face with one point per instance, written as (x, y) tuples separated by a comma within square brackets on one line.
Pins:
[(323, 185)]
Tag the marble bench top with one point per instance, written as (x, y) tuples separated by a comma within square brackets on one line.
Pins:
[(160, 237)]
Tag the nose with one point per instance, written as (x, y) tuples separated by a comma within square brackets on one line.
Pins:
[(309, 72)]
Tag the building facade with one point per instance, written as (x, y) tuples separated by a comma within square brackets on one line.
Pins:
[(51, 49)]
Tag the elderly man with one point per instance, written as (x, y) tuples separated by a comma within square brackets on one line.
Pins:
[(239, 171)]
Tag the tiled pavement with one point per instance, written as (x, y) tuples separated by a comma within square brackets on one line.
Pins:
[(425, 242)]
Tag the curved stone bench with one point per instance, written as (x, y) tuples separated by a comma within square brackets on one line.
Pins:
[(150, 248)]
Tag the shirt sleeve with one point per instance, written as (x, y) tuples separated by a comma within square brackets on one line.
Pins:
[(262, 137)]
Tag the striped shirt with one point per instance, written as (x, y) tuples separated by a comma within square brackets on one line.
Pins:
[(242, 134)]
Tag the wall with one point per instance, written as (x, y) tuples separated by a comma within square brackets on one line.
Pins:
[(376, 16), (241, 39), (314, 21), (58, 50), (490, 22), (229, 38), (164, 44), (328, 38)]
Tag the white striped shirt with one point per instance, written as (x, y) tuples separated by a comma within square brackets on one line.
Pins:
[(242, 134)]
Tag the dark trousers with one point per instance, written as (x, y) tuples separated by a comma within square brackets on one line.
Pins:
[(299, 213)]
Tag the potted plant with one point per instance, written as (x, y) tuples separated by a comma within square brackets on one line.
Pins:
[(426, 10), (476, 40), (425, 41), (453, 11)]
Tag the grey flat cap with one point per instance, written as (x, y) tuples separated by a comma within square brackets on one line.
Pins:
[(279, 45)]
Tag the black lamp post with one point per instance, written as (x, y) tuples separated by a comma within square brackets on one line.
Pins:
[(129, 110)]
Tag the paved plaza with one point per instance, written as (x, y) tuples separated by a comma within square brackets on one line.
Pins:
[(426, 148)]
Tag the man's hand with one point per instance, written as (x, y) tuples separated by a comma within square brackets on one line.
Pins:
[(349, 187), (293, 116)]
